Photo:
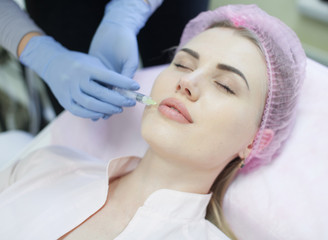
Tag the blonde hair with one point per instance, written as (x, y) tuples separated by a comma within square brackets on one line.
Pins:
[(214, 210)]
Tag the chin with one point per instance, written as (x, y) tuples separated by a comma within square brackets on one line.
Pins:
[(154, 129), (162, 135)]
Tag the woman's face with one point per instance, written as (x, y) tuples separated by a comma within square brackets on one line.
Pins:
[(211, 99)]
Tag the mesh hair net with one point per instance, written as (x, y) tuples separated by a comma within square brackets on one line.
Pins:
[(285, 60)]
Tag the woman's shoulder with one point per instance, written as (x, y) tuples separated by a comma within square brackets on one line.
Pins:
[(52, 159)]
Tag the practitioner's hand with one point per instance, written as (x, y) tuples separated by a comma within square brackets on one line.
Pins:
[(77, 80), (117, 48), (115, 42)]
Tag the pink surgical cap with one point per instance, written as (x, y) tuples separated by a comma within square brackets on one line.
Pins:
[(285, 60)]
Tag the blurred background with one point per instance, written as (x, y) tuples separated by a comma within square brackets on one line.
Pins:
[(25, 105), (308, 18)]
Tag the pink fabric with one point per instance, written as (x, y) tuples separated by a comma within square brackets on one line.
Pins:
[(285, 65)]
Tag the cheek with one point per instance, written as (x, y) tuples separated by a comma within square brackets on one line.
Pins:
[(164, 85), (228, 127)]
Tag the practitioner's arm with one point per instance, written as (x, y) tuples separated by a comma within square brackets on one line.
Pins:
[(15, 24), (77, 80)]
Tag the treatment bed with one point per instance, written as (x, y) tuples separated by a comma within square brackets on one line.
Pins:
[(286, 200)]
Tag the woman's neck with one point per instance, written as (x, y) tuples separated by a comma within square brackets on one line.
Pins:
[(155, 172)]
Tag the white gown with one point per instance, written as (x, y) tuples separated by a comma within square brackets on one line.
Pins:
[(55, 189)]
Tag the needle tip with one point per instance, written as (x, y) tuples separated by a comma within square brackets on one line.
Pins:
[(149, 101)]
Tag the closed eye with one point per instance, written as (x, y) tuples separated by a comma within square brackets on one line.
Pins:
[(225, 88), (178, 65)]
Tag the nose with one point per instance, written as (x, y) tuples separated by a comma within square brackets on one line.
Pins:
[(188, 86)]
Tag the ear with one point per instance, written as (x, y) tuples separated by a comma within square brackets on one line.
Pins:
[(267, 137), (245, 153)]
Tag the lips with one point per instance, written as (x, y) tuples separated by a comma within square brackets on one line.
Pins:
[(173, 109)]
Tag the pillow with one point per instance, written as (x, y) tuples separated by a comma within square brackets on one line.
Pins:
[(288, 199)]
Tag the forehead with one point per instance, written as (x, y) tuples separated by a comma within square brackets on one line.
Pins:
[(227, 46), (224, 43)]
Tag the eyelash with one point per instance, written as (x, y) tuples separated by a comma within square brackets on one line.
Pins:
[(221, 85), (226, 88), (181, 66)]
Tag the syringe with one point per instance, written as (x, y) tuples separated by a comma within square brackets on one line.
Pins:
[(134, 95)]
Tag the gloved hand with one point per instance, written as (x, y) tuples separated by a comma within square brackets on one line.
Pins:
[(115, 42), (77, 80)]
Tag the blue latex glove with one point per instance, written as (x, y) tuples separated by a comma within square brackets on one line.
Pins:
[(115, 42), (77, 80)]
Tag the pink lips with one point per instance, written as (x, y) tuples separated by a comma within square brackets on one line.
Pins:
[(173, 109)]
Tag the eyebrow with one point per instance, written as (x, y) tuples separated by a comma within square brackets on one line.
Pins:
[(234, 70), (190, 52), (220, 66)]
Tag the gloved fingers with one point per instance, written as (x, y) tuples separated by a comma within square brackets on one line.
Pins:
[(80, 111), (115, 79), (116, 97), (130, 67), (105, 117), (96, 105), (103, 93)]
